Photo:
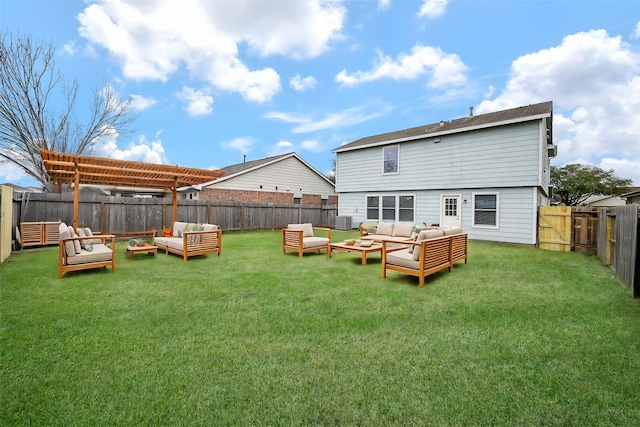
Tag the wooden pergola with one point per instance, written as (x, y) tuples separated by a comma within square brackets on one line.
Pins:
[(75, 169)]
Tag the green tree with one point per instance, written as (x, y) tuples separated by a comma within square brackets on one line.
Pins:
[(29, 86), (575, 183)]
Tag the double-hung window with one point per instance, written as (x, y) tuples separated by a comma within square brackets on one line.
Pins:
[(391, 159), (391, 208), (485, 210)]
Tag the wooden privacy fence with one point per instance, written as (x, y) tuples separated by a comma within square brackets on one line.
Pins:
[(564, 229), (612, 233), (619, 243), (126, 215)]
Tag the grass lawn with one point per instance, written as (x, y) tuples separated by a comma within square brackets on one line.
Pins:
[(518, 336)]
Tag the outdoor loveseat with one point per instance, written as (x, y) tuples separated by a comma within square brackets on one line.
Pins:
[(301, 238), (189, 239), (432, 251), (84, 250)]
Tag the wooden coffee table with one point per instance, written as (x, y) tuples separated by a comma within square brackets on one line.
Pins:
[(364, 250), (145, 248)]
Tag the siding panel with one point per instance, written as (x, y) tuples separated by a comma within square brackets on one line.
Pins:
[(288, 174)]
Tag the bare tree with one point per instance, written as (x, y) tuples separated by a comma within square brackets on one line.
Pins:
[(29, 120)]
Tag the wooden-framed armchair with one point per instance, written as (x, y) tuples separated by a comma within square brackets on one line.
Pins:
[(301, 238), (84, 252)]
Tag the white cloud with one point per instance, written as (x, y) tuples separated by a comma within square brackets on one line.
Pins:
[(433, 8), (69, 48), (636, 33), (312, 145), (301, 84), (444, 69), (199, 102), (10, 172), (141, 103), (153, 40), (242, 144), (594, 81), (142, 151), (348, 117), (384, 4)]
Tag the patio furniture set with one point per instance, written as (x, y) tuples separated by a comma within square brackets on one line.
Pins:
[(401, 249), (422, 254)]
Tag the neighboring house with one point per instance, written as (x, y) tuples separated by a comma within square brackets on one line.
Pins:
[(632, 196), (599, 201), (286, 178), (487, 173)]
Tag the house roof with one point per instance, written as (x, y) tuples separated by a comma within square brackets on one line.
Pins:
[(62, 168), (635, 191), (464, 124), (246, 167)]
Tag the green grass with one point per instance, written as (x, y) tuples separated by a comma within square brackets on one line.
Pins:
[(518, 336)]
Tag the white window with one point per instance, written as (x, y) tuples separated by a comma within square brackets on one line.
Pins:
[(391, 208), (485, 210), (391, 159)]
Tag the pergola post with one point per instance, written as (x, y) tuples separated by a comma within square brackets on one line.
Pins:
[(76, 196)]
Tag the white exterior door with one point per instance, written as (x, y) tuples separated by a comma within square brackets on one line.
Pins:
[(450, 211)]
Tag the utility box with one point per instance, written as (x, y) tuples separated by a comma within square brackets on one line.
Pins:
[(343, 222)]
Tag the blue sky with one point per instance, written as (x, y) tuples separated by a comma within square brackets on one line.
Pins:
[(213, 80)]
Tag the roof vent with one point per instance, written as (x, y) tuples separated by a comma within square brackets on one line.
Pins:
[(471, 111), (441, 123)]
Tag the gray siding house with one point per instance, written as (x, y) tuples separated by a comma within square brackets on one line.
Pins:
[(486, 173)]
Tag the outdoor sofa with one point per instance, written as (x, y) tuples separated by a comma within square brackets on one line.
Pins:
[(387, 230), (189, 239), (432, 251)]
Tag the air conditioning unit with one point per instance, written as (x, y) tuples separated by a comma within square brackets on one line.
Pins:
[(552, 150), (343, 222)]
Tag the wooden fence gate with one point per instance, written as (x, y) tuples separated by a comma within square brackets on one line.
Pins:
[(554, 228), (564, 229)]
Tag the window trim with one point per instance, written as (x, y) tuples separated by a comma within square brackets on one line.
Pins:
[(497, 210), (397, 171), (396, 206)]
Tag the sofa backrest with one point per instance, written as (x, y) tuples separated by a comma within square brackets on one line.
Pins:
[(179, 227)]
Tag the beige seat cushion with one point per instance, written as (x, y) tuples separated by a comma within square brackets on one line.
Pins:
[(314, 242), (69, 247), (307, 229), (100, 253), (403, 258)]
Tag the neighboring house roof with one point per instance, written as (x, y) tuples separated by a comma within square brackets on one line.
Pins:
[(635, 192), (233, 171), (603, 201), (465, 124), (20, 189)]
